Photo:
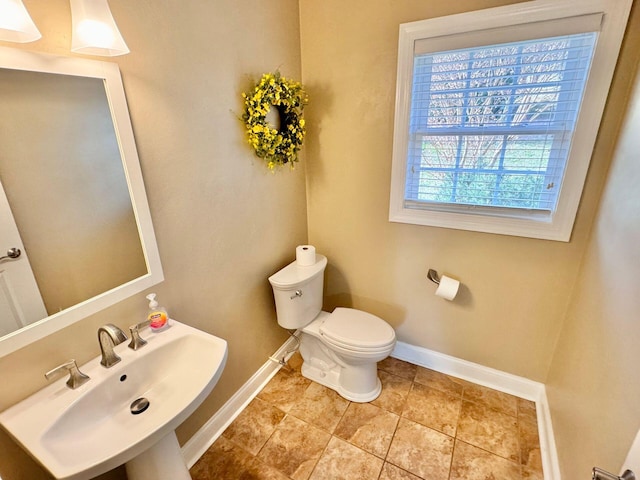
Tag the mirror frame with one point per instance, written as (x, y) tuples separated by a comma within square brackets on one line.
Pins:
[(15, 59)]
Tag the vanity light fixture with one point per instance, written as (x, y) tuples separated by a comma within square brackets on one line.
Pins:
[(94, 30), (16, 24)]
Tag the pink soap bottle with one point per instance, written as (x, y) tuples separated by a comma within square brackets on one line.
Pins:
[(158, 317)]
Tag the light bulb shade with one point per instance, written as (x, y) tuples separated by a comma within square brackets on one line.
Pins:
[(94, 30), (16, 24)]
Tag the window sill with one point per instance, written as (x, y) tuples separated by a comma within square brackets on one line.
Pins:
[(537, 225)]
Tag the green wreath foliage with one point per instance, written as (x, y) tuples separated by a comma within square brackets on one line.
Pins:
[(277, 146)]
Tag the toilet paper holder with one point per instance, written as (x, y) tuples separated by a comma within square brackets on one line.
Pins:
[(433, 276)]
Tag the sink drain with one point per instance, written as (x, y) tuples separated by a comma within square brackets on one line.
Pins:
[(139, 405)]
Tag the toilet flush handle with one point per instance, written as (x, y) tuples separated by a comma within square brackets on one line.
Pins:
[(297, 293)]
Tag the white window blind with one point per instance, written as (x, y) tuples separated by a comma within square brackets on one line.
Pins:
[(491, 126)]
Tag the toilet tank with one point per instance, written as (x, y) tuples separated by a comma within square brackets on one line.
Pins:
[(298, 293)]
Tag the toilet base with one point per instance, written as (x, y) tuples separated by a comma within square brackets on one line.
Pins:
[(331, 379), (355, 381)]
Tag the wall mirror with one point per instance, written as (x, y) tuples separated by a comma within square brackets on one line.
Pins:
[(72, 198)]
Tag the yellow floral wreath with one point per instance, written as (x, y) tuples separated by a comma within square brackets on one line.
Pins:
[(276, 146)]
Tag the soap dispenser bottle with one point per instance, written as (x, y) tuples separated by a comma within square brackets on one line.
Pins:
[(158, 317)]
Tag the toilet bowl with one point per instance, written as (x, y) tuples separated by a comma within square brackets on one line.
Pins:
[(340, 350)]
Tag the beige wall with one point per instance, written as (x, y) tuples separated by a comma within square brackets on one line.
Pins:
[(593, 385), (516, 290), (223, 223)]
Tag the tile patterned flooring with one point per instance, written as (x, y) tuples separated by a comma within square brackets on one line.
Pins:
[(424, 425)]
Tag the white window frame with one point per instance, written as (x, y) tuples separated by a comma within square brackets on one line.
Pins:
[(555, 225)]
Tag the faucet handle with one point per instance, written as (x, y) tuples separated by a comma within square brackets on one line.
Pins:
[(76, 377), (136, 340)]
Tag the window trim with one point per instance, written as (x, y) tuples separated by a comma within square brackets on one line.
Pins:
[(554, 226)]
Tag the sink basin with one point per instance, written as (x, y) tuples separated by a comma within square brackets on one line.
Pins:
[(78, 434)]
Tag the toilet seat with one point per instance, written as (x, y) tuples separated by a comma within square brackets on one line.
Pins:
[(357, 331)]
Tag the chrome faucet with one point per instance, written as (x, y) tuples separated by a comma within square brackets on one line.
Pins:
[(137, 341), (76, 377), (108, 337)]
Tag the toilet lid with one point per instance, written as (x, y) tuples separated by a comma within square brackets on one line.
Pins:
[(356, 328)]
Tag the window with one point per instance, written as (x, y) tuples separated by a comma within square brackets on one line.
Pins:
[(497, 113), (492, 125)]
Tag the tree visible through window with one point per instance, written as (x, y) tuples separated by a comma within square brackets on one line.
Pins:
[(492, 125)]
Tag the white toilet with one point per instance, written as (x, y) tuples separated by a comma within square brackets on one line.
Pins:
[(340, 349)]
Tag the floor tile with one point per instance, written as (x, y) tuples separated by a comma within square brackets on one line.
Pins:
[(421, 450), (368, 427), (284, 390), (398, 367), (530, 456), (258, 470), (394, 393), (472, 463), (254, 425), (439, 381), (503, 402), (294, 448), (391, 472), (343, 461), (294, 364), (528, 474), (320, 406), (222, 460), (425, 425), (229, 461), (433, 408), (489, 429), (527, 410)]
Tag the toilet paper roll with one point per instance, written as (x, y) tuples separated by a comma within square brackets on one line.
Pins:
[(448, 288), (305, 255)]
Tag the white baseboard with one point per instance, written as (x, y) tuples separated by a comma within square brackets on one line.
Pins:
[(547, 440), (197, 445), (489, 377), (498, 380)]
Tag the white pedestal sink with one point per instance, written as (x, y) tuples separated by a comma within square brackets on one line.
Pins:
[(79, 434)]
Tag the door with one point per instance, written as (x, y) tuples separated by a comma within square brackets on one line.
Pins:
[(20, 299)]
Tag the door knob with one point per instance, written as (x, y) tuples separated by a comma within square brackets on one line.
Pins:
[(12, 253), (599, 474)]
